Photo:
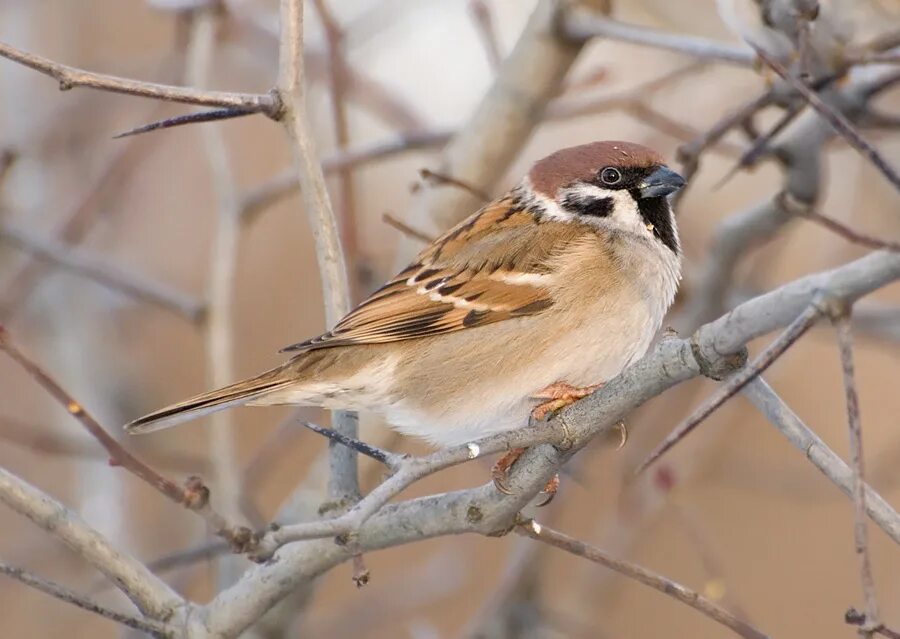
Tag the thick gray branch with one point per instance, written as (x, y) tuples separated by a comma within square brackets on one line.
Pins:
[(484, 510), (152, 596)]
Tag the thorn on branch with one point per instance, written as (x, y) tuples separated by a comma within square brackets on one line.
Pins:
[(190, 118), (387, 458)]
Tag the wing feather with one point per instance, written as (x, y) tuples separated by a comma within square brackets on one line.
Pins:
[(460, 281)]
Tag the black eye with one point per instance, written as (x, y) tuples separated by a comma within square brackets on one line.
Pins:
[(610, 176)]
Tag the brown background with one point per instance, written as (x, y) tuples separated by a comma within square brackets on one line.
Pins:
[(749, 519)]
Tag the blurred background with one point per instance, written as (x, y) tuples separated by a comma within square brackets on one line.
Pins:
[(735, 512)]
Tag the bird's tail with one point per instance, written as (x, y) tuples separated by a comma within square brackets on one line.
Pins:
[(212, 402)]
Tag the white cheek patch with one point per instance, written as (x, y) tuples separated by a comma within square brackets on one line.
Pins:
[(625, 209), (624, 214)]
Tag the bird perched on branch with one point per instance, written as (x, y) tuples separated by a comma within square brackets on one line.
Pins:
[(528, 305)]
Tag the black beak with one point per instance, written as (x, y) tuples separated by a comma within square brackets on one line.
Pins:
[(663, 181)]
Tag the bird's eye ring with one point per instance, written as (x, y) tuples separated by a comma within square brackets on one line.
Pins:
[(610, 176)]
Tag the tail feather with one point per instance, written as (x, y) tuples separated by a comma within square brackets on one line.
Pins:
[(212, 402)]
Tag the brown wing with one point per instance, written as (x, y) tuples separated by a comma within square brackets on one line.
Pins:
[(491, 267)]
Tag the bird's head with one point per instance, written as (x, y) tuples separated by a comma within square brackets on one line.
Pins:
[(624, 184)]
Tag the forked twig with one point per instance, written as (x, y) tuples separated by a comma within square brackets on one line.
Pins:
[(735, 383), (69, 77), (194, 495), (835, 118)]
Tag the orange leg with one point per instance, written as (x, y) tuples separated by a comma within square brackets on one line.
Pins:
[(500, 471), (559, 395)]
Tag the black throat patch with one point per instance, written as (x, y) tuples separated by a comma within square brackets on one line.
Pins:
[(657, 212)]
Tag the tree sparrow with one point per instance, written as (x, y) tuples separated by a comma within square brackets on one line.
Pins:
[(541, 295)]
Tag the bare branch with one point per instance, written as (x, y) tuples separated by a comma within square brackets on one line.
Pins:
[(436, 177), (103, 272), (151, 595), (501, 124), (64, 594), (840, 315), (344, 482), (856, 618), (337, 68), (69, 77), (663, 584), (735, 383), (194, 496), (42, 441), (848, 233), (835, 118), (484, 26), (405, 228), (582, 26), (485, 510), (218, 330), (822, 457), (77, 220)]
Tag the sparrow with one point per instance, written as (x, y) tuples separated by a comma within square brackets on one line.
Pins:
[(527, 305)]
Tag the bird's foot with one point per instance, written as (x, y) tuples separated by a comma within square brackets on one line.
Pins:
[(559, 395), (500, 474)]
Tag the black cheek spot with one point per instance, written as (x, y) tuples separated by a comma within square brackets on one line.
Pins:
[(591, 206)]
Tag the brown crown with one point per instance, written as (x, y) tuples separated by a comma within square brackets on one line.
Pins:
[(582, 163)]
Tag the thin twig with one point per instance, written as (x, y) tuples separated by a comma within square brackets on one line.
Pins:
[(735, 383), (483, 20), (835, 118), (437, 177), (840, 316), (337, 68), (87, 265), (405, 228), (581, 26), (69, 77), (149, 593), (194, 496), (664, 585), (64, 594), (285, 183), (218, 330), (78, 220), (344, 481), (43, 442), (811, 446), (850, 234)]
